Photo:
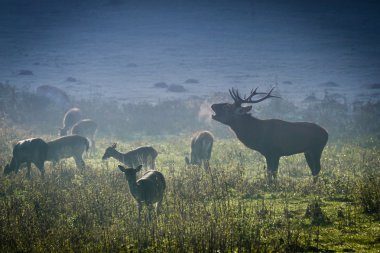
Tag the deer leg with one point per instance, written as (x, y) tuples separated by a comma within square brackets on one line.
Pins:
[(272, 166), (93, 147), (313, 160), (150, 210), (40, 166), (206, 165), (139, 208), (29, 165), (79, 162), (158, 207)]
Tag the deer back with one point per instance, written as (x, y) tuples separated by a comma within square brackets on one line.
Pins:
[(151, 187), (85, 127), (67, 146), (140, 155)]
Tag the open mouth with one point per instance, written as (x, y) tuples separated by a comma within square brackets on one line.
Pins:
[(214, 115)]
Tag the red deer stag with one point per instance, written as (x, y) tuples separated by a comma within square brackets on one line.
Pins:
[(149, 189), (272, 138), (142, 155), (71, 117), (28, 151), (201, 147)]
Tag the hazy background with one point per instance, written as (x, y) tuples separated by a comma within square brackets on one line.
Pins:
[(119, 49)]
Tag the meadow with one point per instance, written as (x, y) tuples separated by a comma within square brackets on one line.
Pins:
[(231, 208)]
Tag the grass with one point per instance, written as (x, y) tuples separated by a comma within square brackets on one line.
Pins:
[(229, 209)]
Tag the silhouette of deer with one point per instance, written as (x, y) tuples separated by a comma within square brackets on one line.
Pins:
[(66, 147), (28, 151), (71, 117), (142, 155), (201, 147), (149, 189), (86, 128), (272, 138)]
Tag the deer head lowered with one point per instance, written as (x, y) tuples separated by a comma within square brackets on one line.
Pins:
[(201, 147), (272, 138)]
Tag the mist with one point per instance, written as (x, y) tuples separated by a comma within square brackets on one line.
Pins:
[(120, 49)]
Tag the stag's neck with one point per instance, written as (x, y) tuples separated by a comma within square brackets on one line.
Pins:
[(118, 156), (248, 130)]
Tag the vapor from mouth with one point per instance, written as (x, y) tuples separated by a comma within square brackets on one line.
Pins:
[(205, 112)]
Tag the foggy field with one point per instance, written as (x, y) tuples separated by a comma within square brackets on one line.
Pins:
[(229, 209)]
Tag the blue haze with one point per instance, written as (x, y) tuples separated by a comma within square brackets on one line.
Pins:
[(118, 49)]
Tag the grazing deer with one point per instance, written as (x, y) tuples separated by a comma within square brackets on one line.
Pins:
[(86, 128), (28, 151), (141, 155), (66, 147), (71, 117), (149, 189), (273, 138), (201, 147)]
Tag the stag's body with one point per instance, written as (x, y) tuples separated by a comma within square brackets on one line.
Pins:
[(201, 147), (149, 189), (71, 117), (86, 128), (142, 155), (272, 138), (28, 151), (66, 147)]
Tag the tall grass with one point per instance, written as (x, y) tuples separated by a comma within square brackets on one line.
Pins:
[(229, 209)]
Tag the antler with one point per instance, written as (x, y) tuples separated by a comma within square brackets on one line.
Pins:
[(248, 100)]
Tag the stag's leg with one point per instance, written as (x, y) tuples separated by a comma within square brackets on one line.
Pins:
[(272, 166)]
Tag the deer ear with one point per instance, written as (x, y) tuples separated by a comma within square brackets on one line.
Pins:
[(243, 110), (113, 145), (122, 168), (138, 168)]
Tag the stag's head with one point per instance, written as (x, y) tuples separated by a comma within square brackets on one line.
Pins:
[(109, 151), (226, 112)]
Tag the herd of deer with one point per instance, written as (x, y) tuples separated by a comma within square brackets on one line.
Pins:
[(272, 138)]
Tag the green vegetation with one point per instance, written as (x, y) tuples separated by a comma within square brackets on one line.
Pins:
[(229, 209)]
